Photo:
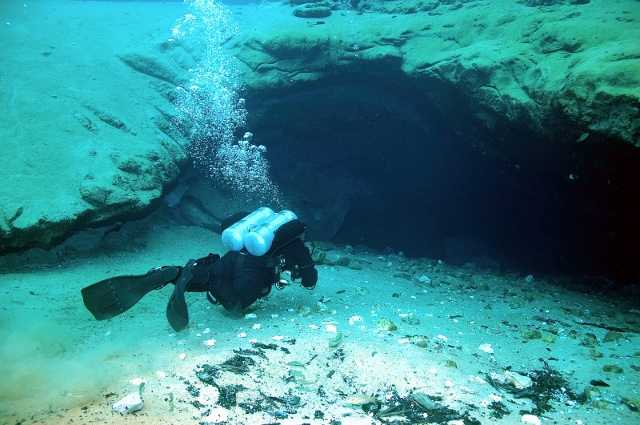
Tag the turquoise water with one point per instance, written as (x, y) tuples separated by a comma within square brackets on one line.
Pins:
[(471, 164)]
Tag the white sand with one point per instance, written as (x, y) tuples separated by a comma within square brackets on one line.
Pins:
[(59, 364)]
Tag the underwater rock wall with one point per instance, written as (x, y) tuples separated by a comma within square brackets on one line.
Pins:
[(86, 94), (554, 73), (546, 97), (88, 133)]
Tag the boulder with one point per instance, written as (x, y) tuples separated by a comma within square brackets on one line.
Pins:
[(510, 69), (312, 12), (87, 132)]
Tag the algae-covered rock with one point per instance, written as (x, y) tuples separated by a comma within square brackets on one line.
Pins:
[(613, 336), (419, 340), (531, 333), (589, 340), (449, 363), (336, 340), (303, 310), (595, 354), (410, 318), (633, 403), (557, 77), (355, 265), (612, 368), (312, 12), (386, 324), (548, 338)]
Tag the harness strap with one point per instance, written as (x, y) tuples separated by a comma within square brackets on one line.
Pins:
[(239, 262)]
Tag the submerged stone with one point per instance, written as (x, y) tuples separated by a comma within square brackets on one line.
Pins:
[(312, 12), (387, 324)]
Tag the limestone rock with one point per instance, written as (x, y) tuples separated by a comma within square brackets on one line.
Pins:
[(513, 70), (130, 403), (520, 382), (92, 142), (312, 12)]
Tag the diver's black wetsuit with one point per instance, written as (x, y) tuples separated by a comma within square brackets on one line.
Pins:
[(238, 279)]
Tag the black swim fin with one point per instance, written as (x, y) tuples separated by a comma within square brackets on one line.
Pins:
[(177, 311), (111, 297)]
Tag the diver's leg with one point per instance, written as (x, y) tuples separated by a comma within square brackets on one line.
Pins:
[(234, 296), (193, 278)]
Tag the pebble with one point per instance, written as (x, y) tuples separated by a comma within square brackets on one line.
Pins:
[(277, 337), (250, 316), (331, 329), (355, 319), (216, 416), (256, 326), (386, 324), (183, 356), (210, 342), (495, 398), (242, 335), (530, 419), (303, 310), (486, 348), (519, 381), (130, 403), (410, 319)]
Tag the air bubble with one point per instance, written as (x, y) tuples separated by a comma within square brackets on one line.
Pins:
[(210, 110)]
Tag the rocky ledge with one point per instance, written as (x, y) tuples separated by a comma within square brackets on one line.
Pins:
[(85, 129), (559, 72), (87, 132)]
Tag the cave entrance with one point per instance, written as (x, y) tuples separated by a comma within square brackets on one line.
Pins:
[(379, 170)]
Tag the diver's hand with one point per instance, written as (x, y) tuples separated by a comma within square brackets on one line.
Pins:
[(308, 275), (295, 274)]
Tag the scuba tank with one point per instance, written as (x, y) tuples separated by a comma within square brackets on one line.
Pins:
[(262, 232), (234, 236), (259, 240)]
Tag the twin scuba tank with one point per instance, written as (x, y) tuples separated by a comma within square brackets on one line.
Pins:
[(263, 230)]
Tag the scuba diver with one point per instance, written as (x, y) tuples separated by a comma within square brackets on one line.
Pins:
[(262, 245)]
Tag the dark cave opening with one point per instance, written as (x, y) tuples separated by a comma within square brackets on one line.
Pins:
[(393, 173)]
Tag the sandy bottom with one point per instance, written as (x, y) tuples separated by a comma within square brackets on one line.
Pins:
[(59, 365)]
